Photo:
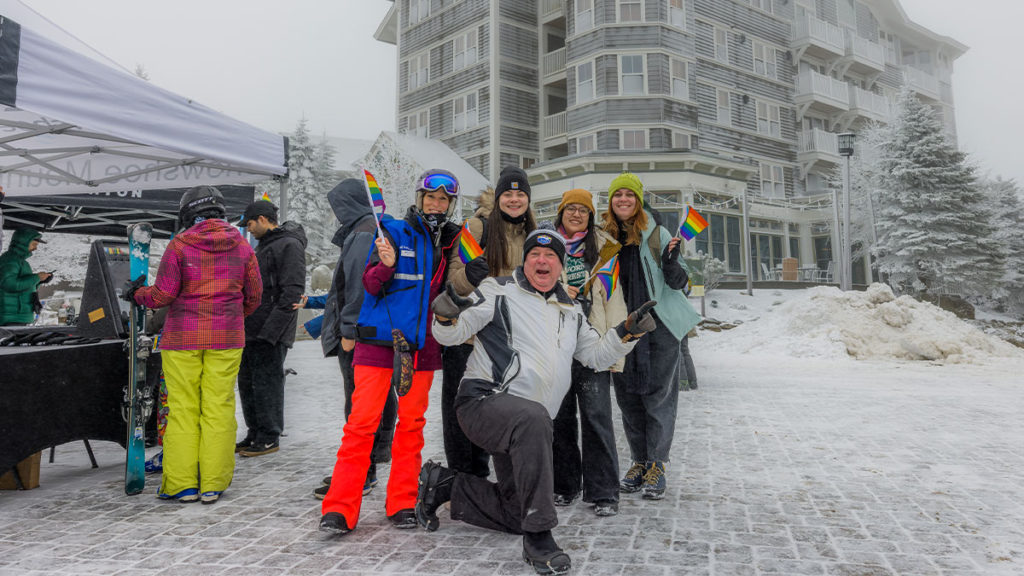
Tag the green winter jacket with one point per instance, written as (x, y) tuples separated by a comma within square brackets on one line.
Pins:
[(17, 281), (673, 307)]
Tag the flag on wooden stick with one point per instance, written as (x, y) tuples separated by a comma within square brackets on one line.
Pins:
[(376, 196), (469, 248), (692, 225)]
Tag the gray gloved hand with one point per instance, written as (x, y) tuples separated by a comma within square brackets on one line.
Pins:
[(640, 321), (448, 305)]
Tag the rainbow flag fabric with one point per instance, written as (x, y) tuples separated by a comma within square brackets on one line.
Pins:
[(376, 195), (608, 276), (692, 225), (468, 246), (265, 196)]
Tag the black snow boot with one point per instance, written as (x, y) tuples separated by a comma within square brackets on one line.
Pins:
[(541, 552), (435, 489)]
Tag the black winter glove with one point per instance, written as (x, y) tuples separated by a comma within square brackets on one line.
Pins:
[(476, 270), (675, 275), (448, 305), (638, 323), (129, 288)]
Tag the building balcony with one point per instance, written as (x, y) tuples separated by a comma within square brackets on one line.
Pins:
[(870, 105), (822, 93), (866, 57), (817, 38), (551, 10), (553, 66), (921, 82), (815, 147), (554, 128)]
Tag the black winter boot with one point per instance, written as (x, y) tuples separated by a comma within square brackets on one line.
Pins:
[(541, 552), (435, 489)]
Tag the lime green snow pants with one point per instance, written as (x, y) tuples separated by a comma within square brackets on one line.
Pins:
[(199, 444)]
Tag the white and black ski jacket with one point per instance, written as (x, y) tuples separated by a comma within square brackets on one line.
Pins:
[(525, 343)]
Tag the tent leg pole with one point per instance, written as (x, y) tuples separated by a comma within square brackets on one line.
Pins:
[(284, 200)]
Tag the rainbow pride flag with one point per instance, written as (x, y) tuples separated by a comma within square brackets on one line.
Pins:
[(265, 196), (608, 275), (376, 195), (692, 225), (468, 246)]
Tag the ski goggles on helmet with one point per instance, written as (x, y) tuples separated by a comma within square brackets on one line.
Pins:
[(437, 180)]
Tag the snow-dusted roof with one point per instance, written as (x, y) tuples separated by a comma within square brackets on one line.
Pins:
[(429, 153)]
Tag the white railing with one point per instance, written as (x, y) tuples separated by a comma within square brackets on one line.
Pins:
[(811, 28), (549, 7), (820, 86), (866, 50), (820, 141), (922, 81), (869, 102), (554, 62), (555, 125)]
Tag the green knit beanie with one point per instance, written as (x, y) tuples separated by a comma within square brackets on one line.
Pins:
[(627, 180)]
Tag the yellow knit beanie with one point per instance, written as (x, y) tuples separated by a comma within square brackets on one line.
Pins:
[(629, 181), (577, 196)]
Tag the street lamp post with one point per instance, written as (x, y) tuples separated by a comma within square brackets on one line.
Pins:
[(846, 149)]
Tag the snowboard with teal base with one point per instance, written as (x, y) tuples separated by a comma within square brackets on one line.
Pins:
[(138, 396)]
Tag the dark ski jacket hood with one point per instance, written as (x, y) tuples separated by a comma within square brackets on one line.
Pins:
[(350, 204)]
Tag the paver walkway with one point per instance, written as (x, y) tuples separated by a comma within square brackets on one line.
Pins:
[(886, 473)]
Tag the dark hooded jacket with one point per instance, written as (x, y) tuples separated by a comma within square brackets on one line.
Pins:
[(17, 281), (355, 238), (282, 257)]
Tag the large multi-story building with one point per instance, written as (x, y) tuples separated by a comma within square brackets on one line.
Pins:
[(716, 104)]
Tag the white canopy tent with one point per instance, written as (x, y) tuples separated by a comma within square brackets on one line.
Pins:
[(73, 122)]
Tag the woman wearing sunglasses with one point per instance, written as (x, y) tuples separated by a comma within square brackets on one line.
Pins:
[(598, 465), (405, 272), (501, 233)]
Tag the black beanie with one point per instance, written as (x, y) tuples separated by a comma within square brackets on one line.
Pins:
[(512, 178), (547, 239)]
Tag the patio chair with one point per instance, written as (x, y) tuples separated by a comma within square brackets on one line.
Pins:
[(767, 274), (824, 275)]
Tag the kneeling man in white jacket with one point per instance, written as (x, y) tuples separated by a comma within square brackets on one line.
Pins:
[(527, 332)]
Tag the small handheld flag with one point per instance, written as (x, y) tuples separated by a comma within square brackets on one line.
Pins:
[(692, 225), (265, 196), (608, 275), (376, 196), (468, 246)]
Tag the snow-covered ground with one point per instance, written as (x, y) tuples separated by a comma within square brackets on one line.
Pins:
[(792, 457)]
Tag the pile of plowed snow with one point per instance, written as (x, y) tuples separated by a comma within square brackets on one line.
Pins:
[(824, 322)]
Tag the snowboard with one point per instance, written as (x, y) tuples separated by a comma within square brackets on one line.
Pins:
[(138, 396)]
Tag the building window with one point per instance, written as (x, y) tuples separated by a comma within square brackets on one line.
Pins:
[(768, 119), (584, 15), (632, 68), (419, 70), (528, 162), (765, 5), (418, 124), (723, 109), (631, 11), (465, 112), (465, 50), (765, 60), (721, 45), (680, 84), (418, 10), (584, 82), (585, 144), (721, 239), (633, 140), (773, 181), (683, 141), (677, 13)]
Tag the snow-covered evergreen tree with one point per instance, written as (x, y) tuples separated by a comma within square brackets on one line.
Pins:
[(933, 226), (1004, 200), (395, 172)]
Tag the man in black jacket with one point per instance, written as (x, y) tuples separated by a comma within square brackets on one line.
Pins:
[(270, 330), (355, 237)]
